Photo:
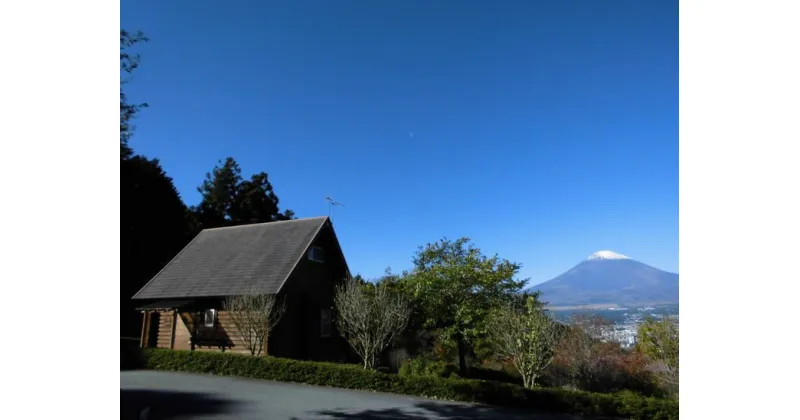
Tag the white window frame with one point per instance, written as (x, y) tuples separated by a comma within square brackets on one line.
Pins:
[(316, 254), (323, 324), (213, 313)]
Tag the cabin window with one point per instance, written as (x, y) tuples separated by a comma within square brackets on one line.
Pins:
[(210, 317), (316, 254), (325, 322)]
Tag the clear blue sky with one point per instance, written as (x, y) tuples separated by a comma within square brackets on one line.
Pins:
[(543, 130)]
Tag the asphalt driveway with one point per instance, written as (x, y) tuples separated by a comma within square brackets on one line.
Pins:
[(149, 395)]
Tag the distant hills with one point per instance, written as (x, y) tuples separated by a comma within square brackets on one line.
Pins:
[(608, 279)]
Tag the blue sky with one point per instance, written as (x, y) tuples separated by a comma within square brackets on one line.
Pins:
[(543, 130)]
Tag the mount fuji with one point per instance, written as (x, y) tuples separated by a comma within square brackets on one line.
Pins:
[(609, 278)]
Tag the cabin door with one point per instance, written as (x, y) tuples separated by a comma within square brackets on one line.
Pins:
[(152, 329)]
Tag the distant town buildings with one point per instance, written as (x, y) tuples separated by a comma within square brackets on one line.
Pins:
[(626, 322)]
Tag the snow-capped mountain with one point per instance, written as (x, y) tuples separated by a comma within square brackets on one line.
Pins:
[(606, 255), (607, 277)]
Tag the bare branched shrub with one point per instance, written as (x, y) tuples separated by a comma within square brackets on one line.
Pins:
[(369, 317), (580, 350), (255, 314), (585, 361), (524, 336)]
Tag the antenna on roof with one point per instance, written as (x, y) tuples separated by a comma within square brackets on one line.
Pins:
[(331, 204)]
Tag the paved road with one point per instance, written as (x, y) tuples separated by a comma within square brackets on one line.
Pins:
[(165, 395)]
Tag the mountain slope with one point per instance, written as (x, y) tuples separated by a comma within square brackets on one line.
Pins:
[(610, 278)]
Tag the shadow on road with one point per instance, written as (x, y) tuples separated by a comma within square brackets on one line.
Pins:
[(442, 411), (165, 405)]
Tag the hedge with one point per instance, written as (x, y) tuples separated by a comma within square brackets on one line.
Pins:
[(622, 405)]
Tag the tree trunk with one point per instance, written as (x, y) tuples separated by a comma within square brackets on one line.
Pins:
[(532, 382), (369, 361), (462, 357)]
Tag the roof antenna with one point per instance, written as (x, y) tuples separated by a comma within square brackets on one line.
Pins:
[(331, 204)]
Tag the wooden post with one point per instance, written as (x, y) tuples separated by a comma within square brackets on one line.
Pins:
[(265, 344), (195, 320), (146, 330), (144, 325), (172, 330)]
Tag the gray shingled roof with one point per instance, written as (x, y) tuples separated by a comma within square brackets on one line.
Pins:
[(166, 304), (232, 260)]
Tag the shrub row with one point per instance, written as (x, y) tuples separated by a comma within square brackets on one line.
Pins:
[(421, 366), (622, 405), (424, 366)]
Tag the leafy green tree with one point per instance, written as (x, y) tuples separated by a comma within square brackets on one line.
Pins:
[(524, 335), (255, 201), (286, 215), (229, 199), (659, 340), (483, 348), (219, 191), (455, 286)]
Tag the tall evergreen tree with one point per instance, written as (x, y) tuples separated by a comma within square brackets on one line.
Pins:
[(229, 200), (219, 191)]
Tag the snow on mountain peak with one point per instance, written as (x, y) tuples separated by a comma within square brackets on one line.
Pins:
[(607, 255)]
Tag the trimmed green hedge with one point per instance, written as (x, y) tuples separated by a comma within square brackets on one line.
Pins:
[(421, 366), (624, 405)]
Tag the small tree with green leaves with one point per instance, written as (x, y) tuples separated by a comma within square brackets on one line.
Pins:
[(524, 335), (369, 316), (455, 286), (659, 340)]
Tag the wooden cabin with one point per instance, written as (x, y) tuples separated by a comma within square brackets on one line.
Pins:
[(297, 260)]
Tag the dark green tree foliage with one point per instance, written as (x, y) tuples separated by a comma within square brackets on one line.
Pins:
[(153, 218), (456, 286), (256, 200), (218, 192), (154, 228), (230, 200)]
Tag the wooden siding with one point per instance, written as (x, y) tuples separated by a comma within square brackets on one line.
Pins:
[(182, 340), (223, 336), (175, 331), (165, 330)]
